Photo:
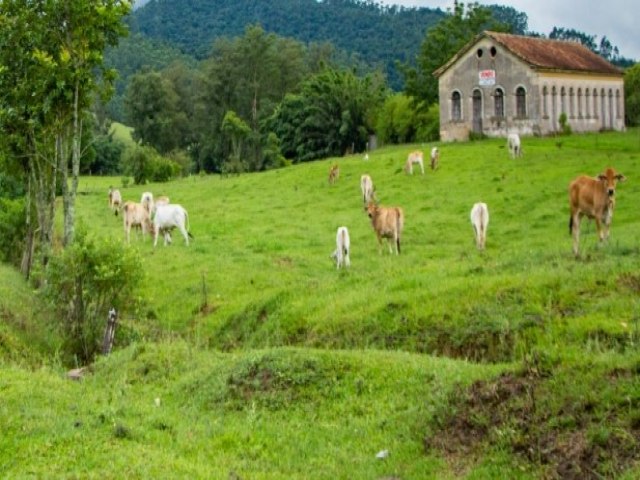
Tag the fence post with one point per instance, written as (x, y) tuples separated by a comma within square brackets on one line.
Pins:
[(110, 331)]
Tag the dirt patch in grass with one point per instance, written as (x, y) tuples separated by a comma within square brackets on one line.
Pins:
[(539, 420)]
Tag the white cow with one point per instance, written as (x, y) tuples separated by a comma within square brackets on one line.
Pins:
[(147, 201), (366, 185), (343, 245), (435, 157), (514, 146), (115, 200), (414, 157), (168, 217), (480, 222)]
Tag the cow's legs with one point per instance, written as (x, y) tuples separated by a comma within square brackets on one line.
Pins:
[(575, 230)]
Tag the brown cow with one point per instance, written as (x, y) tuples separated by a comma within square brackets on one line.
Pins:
[(334, 174), (595, 198), (135, 215), (387, 223)]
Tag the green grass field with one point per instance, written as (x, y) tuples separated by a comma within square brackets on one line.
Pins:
[(251, 356)]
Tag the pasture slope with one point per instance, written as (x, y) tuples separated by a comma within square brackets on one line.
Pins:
[(250, 356)]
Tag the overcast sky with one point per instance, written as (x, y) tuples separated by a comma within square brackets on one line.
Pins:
[(615, 19)]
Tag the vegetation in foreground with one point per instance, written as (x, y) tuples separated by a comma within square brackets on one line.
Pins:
[(249, 355)]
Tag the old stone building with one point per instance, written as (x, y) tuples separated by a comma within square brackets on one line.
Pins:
[(501, 83)]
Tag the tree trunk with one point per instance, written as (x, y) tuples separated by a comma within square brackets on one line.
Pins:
[(70, 193)]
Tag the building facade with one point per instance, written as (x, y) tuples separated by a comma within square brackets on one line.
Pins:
[(501, 83)]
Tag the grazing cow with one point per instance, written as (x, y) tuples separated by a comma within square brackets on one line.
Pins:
[(115, 200), (595, 198), (435, 157), (387, 223), (147, 201), (334, 174), (135, 215), (514, 146), (366, 185), (168, 217), (414, 157), (480, 222), (343, 245)]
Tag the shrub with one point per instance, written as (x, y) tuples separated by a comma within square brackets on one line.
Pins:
[(82, 283), (565, 128), (12, 229), (145, 164), (428, 124)]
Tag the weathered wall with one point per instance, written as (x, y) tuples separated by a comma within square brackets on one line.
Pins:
[(510, 73)]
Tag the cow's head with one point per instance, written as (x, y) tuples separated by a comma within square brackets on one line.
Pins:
[(371, 209), (609, 179)]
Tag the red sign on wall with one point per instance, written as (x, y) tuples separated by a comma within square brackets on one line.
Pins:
[(487, 78)]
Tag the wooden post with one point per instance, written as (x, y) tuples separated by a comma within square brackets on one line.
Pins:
[(110, 331)]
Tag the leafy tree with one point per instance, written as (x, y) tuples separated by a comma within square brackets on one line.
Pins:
[(237, 131), (441, 43), (571, 34), (333, 115), (632, 95), (517, 21), (152, 108), (58, 46), (397, 120)]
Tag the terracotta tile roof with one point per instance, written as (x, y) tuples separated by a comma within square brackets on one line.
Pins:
[(554, 54), (543, 54)]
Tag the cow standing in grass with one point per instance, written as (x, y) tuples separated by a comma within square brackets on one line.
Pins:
[(366, 186), (168, 217), (343, 245), (514, 145), (480, 222), (334, 174), (414, 158), (435, 157), (135, 215), (595, 198), (388, 223), (115, 200)]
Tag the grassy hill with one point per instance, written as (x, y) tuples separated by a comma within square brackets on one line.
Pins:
[(251, 356)]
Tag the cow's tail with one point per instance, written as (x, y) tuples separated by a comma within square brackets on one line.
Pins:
[(570, 224), (186, 215)]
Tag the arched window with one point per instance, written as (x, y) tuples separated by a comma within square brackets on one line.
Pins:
[(572, 106), (545, 102), (587, 104), (498, 97), (554, 107), (563, 100), (521, 102), (579, 103), (456, 107), (595, 103), (617, 104)]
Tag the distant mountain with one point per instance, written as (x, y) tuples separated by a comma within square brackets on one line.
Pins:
[(380, 35)]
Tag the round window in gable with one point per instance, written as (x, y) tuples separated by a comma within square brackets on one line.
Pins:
[(479, 53), (493, 51)]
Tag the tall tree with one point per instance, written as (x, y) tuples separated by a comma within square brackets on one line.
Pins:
[(52, 51), (632, 95), (441, 42)]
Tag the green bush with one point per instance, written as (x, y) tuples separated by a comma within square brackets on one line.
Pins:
[(428, 124), (82, 283), (565, 128), (12, 229), (145, 165)]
